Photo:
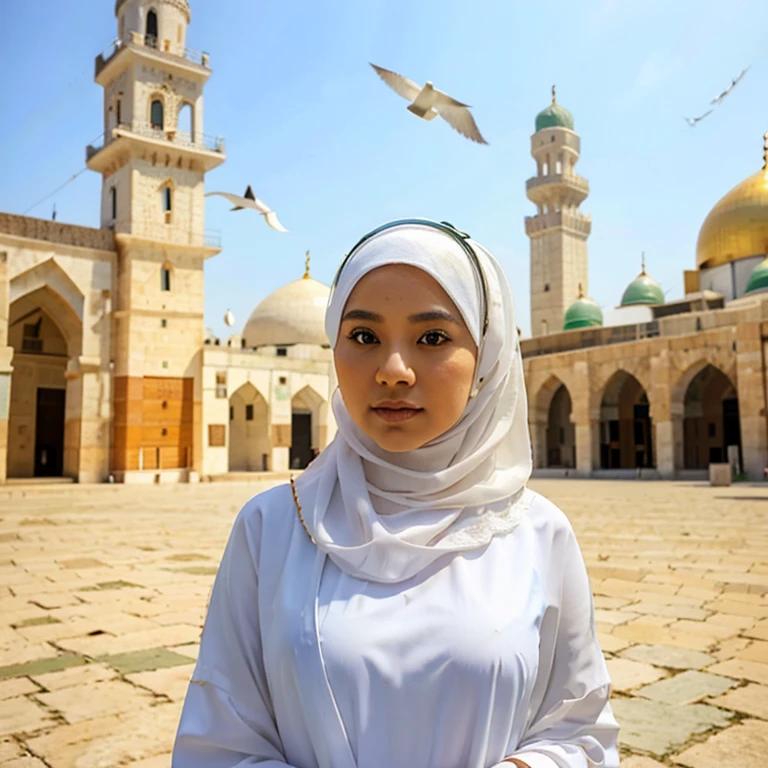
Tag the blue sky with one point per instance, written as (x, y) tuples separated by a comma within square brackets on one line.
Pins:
[(334, 151)]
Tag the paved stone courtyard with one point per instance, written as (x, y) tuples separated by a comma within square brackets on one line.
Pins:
[(103, 591)]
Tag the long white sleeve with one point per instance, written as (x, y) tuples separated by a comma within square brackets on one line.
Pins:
[(228, 718), (573, 725)]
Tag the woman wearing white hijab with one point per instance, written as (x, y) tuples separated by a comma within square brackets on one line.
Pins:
[(408, 602)]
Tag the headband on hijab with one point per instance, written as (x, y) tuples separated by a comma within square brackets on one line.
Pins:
[(385, 516)]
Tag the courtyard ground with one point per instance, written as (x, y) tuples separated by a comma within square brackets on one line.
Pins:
[(103, 592)]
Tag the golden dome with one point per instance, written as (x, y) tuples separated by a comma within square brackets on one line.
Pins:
[(737, 227)]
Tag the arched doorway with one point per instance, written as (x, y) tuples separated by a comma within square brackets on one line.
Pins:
[(305, 427), (37, 419), (626, 431), (151, 33), (710, 420), (249, 442), (561, 434)]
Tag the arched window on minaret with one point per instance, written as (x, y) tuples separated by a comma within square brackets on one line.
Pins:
[(165, 277), (185, 124), (545, 167), (151, 31), (559, 164), (113, 203), (156, 114), (166, 201), (118, 111), (544, 327)]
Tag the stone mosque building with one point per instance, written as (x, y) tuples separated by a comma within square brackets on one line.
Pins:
[(108, 372), (651, 387), (104, 366)]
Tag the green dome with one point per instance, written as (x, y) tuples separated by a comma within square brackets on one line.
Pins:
[(758, 280), (583, 313), (554, 116), (642, 290)]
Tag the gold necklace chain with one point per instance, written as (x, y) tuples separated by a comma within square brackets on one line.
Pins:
[(298, 509)]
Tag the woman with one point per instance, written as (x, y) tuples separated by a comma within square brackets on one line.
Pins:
[(408, 603)]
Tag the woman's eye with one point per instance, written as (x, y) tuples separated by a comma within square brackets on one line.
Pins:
[(361, 336), (434, 338)]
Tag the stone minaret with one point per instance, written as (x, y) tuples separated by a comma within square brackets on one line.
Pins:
[(153, 162), (559, 230)]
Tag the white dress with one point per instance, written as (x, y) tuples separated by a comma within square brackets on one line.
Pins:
[(483, 656)]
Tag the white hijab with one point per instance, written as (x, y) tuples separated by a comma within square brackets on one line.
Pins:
[(384, 516)]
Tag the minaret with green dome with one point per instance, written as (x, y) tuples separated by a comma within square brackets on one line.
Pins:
[(559, 230)]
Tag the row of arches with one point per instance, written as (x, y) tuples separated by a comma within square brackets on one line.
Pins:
[(250, 427), (624, 436)]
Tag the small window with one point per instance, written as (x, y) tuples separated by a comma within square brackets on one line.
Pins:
[(552, 138), (165, 363), (152, 29), (558, 167), (249, 412), (163, 323), (546, 287), (231, 412), (156, 114), (167, 198), (283, 381), (544, 327), (282, 352), (165, 279), (119, 111), (217, 435), (221, 384), (113, 202)]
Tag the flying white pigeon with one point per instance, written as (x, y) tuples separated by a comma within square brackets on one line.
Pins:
[(427, 102), (249, 200), (229, 318), (719, 98)]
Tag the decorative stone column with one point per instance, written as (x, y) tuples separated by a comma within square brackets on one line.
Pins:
[(751, 354), (6, 369), (587, 452)]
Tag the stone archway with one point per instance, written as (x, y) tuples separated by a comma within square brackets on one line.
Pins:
[(561, 434), (710, 419), (625, 427), (250, 446), (306, 438), (45, 333)]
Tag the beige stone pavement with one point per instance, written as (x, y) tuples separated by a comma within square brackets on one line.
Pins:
[(103, 591)]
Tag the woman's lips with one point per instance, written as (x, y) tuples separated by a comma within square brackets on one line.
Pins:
[(396, 414)]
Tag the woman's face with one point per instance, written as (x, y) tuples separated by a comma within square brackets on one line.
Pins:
[(404, 358)]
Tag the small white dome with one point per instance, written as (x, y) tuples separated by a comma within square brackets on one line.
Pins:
[(293, 314)]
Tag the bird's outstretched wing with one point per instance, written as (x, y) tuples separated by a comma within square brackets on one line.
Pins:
[(271, 218), (236, 200), (719, 98), (461, 120), (443, 99), (399, 84)]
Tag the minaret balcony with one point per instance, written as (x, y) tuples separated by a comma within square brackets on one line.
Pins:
[(577, 223), (132, 231), (168, 146), (165, 53), (568, 187)]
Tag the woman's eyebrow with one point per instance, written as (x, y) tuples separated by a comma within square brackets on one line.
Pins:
[(362, 314), (432, 315)]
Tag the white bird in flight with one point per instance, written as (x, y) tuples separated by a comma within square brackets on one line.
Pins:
[(427, 102), (249, 200)]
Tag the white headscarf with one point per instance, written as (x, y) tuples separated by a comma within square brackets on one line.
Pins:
[(384, 516)]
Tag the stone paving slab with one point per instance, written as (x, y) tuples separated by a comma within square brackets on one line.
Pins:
[(686, 688), (752, 699), (103, 592), (744, 745)]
